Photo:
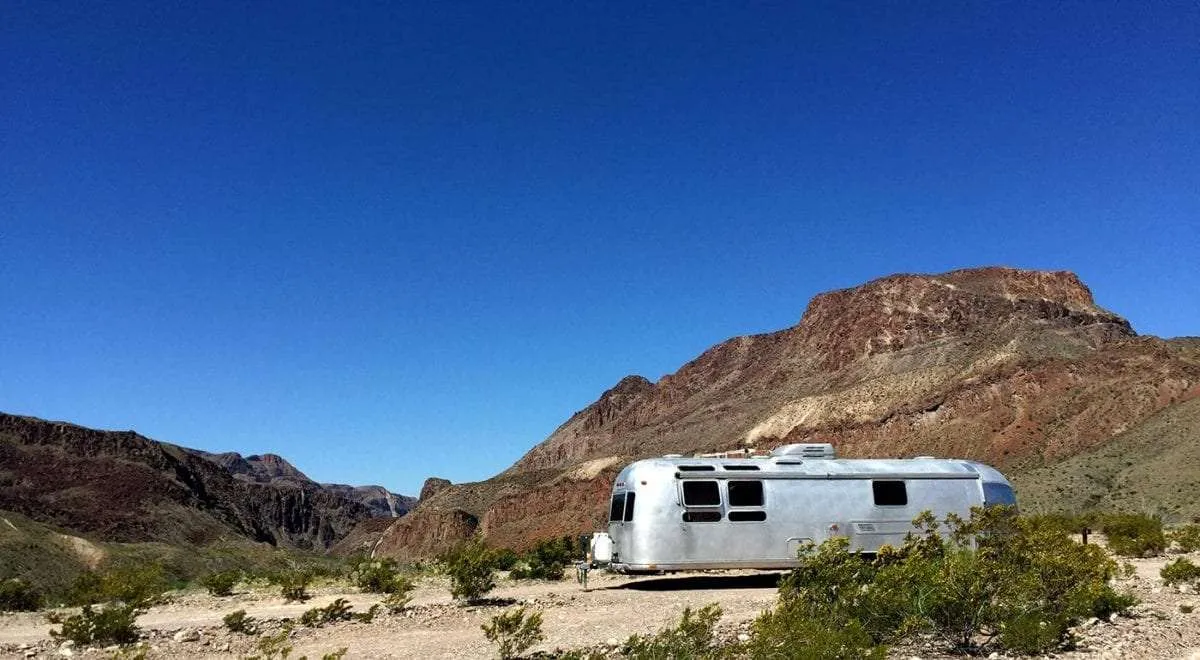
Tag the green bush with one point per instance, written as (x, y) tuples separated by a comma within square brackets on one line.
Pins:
[(293, 585), (1134, 535), (506, 559), (18, 596), (220, 583), (380, 576), (132, 585), (338, 610), (994, 580), (1180, 571), (692, 638), (1186, 537), (113, 624), (547, 561), (396, 602), (471, 566), (514, 632), (240, 622)]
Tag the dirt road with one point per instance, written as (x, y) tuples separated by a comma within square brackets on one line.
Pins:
[(613, 608)]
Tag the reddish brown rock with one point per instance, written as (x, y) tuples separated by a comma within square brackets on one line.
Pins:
[(1015, 368), (431, 487)]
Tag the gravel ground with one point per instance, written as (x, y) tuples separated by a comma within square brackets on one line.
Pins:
[(611, 609)]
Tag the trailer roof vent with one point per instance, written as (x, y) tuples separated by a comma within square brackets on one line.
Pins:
[(805, 450), (672, 455)]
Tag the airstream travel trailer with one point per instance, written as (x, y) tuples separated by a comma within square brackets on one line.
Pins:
[(675, 513)]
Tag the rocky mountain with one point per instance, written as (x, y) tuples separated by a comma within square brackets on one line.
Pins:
[(121, 486), (274, 469), (1020, 369)]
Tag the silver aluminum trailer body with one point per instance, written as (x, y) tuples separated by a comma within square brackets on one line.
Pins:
[(672, 513)]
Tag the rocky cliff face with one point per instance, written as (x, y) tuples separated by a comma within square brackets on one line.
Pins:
[(276, 470), (1016, 368), (121, 486)]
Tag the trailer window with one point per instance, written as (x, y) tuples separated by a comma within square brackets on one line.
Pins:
[(618, 507), (701, 516), (629, 506), (696, 468), (889, 493), (701, 493), (745, 493), (740, 467), (997, 494), (747, 516)]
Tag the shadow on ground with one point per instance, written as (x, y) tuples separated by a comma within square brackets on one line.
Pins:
[(691, 582)]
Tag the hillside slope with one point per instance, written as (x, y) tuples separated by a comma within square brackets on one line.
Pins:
[(121, 486), (275, 469), (1020, 369)]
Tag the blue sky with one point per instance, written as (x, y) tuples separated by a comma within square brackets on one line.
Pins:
[(394, 240)]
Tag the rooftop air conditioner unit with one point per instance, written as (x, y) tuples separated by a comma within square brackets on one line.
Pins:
[(806, 450)]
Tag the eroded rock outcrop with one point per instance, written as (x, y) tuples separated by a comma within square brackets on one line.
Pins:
[(121, 486)]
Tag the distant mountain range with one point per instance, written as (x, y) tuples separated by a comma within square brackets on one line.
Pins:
[(1020, 369), (274, 469), (121, 486)]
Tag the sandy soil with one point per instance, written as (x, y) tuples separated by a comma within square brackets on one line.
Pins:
[(611, 609)]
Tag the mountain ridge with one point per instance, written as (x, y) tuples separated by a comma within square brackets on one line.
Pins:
[(1013, 367), (125, 487)]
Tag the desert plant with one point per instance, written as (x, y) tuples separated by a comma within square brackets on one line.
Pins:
[(140, 585), (338, 610), (1134, 535), (274, 646), (220, 583), (506, 559), (691, 638), (395, 603), (514, 631), (18, 596), (547, 561), (993, 580), (1187, 537), (113, 624), (239, 622), (1180, 571), (294, 585), (380, 576), (471, 566)]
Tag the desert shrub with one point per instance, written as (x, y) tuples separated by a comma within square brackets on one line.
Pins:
[(1180, 571), (335, 655), (1187, 537), (397, 601), (112, 624), (220, 583), (692, 638), (1134, 534), (239, 622), (1069, 523), (274, 646), (514, 632), (471, 566), (132, 585), (293, 585), (994, 580), (380, 576), (338, 610), (506, 559), (547, 561), (18, 596)]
